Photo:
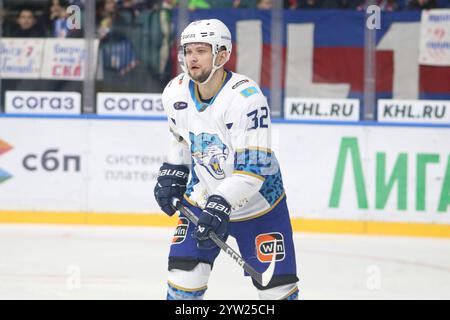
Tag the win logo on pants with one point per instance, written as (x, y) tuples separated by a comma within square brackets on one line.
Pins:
[(180, 231), (268, 244)]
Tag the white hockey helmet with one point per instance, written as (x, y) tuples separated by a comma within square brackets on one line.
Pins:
[(213, 32)]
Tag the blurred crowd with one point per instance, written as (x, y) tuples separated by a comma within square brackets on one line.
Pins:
[(133, 35), (385, 5), (37, 18), (135, 51), (47, 18)]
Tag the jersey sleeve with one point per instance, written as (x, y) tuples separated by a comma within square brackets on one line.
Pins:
[(249, 125), (179, 152)]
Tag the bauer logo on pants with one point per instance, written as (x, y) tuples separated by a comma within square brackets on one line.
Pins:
[(180, 231), (269, 243)]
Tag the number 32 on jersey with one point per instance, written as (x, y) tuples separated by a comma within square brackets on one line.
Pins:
[(259, 118)]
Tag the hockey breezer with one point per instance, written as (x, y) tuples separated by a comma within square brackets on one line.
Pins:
[(262, 278)]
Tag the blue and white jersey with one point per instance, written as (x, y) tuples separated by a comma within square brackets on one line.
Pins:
[(226, 143)]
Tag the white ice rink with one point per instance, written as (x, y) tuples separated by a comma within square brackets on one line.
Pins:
[(77, 262)]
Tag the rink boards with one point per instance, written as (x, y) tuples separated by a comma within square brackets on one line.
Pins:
[(339, 177)]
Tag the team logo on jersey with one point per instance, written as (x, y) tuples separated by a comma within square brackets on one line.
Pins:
[(237, 84), (180, 105), (180, 231), (209, 152), (249, 91), (269, 244)]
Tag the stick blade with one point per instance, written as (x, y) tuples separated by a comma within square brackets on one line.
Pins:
[(267, 275)]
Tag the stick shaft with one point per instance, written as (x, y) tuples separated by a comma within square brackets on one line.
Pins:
[(221, 244)]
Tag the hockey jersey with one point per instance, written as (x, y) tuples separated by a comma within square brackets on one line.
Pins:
[(226, 142)]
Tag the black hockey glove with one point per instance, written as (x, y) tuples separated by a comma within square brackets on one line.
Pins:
[(172, 180), (215, 218)]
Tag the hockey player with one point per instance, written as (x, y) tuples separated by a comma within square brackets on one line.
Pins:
[(220, 122)]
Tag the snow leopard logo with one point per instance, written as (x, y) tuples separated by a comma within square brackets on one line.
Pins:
[(210, 152)]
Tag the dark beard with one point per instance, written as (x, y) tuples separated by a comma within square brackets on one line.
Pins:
[(201, 78)]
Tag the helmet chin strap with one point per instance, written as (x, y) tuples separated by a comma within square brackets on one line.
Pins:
[(213, 70)]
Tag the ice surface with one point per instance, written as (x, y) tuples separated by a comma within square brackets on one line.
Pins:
[(84, 262)]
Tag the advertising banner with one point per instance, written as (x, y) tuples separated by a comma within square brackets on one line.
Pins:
[(129, 104), (75, 165), (46, 165), (331, 172), (321, 109), (42, 102), (21, 58), (64, 60), (366, 173), (435, 37), (420, 111)]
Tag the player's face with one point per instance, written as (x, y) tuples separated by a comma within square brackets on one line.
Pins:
[(198, 60)]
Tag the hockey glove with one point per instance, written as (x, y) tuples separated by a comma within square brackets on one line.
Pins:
[(172, 180), (214, 218)]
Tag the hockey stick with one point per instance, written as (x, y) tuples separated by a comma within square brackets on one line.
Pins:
[(262, 278)]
